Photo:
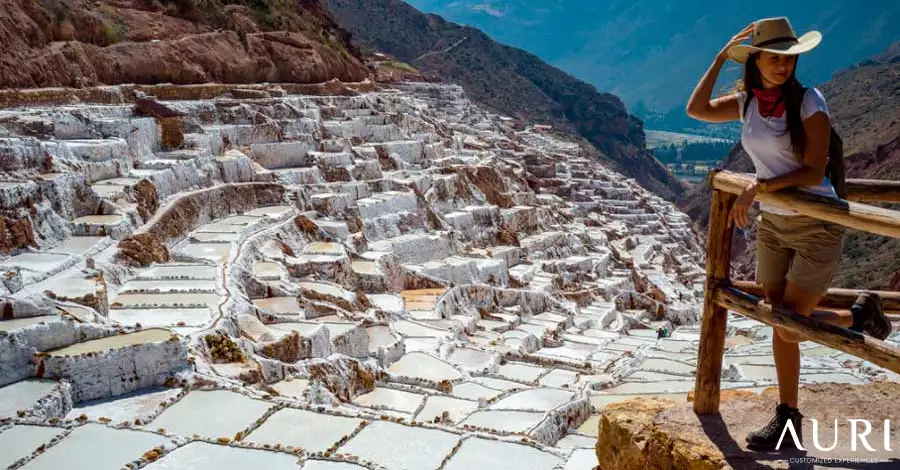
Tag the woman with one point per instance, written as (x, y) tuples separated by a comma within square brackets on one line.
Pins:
[(785, 130)]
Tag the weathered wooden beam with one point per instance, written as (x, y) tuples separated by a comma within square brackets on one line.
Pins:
[(834, 298), (873, 190), (850, 214), (712, 331), (863, 346)]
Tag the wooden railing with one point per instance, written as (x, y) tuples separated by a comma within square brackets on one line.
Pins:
[(746, 298)]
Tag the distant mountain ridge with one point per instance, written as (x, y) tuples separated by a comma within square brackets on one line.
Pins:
[(509, 81)]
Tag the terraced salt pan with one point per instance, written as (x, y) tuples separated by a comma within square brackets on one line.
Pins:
[(394, 399), (505, 421), (98, 219), (215, 237), (474, 391), (279, 305), (157, 317), (35, 262), (666, 366), (153, 335), (576, 441), (673, 386), (163, 286), (171, 299), (542, 399), (205, 456), (125, 407), (422, 299), (217, 252), (602, 400), (20, 441), (559, 378), (313, 432), (76, 245), (401, 447), (581, 459), (407, 328), (16, 323), (200, 412), (325, 248), (471, 359), (268, 270), (380, 337), (387, 302), (419, 365), (477, 453), (591, 426), (521, 372), (96, 447), (437, 405), (569, 350), (292, 388), (271, 211), (326, 465), (369, 268), (499, 384), (180, 271)]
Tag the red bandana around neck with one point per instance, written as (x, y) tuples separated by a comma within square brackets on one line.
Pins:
[(771, 102)]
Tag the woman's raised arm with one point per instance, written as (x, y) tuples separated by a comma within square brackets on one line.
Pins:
[(723, 109)]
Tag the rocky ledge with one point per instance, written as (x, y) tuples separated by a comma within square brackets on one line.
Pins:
[(661, 433)]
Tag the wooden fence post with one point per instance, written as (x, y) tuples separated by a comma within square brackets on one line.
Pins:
[(712, 332)]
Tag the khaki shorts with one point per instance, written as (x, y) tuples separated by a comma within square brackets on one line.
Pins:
[(799, 249)]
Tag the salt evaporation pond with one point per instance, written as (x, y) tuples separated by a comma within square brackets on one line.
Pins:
[(542, 399), (314, 432), (35, 262), (455, 408), (423, 366), (96, 447), (581, 459), (326, 465), (16, 323), (505, 421), (200, 412), (477, 453), (216, 252), (394, 399), (271, 211), (401, 447), (20, 441), (521, 372), (279, 305), (154, 335), (205, 456), (166, 285), (180, 271), (125, 407), (76, 245), (380, 337), (22, 395), (474, 391), (156, 317), (179, 299), (559, 378)]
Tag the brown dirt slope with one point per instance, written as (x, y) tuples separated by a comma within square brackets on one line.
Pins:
[(79, 43), (509, 81), (865, 105)]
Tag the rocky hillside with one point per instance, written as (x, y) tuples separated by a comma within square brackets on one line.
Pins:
[(865, 105), (509, 81), (77, 43)]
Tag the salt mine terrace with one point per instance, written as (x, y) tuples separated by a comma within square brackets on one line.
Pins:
[(315, 277)]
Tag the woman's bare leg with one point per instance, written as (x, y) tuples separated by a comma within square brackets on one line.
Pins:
[(786, 345)]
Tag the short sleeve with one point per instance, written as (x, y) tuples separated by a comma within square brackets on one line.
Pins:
[(813, 102), (741, 97)]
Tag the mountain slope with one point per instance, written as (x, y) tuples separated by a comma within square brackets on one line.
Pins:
[(507, 80), (865, 105), (656, 50), (78, 43)]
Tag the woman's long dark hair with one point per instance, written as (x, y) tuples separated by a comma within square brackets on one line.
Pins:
[(792, 91)]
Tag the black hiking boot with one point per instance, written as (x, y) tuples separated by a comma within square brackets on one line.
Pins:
[(766, 439), (868, 316)]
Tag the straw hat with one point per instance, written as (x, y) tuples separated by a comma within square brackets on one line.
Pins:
[(777, 36)]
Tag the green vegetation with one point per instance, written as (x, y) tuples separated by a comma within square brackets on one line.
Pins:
[(399, 66)]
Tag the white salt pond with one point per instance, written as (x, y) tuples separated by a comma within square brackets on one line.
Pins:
[(279, 305), (591, 426), (268, 270), (576, 441), (387, 302), (215, 237), (313, 432), (155, 317), (401, 447), (398, 400), (474, 391), (505, 421), (324, 248), (205, 456), (380, 337), (128, 407), (76, 245), (436, 405), (180, 271), (153, 335), (419, 365), (293, 388), (270, 211), (326, 465), (521, 372), (542, 399), (408, 328), (559, 378), (477, 453), (171, 299), (96, 447), (20, 441), (35, 262), (98, 219), (200, 412), (217, 252), (163, 285), (581, 459), (16, 323)]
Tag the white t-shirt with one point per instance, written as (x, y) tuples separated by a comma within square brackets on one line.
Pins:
[(771, 152)]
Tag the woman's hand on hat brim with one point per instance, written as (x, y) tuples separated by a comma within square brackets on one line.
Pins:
[(737, 39)]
